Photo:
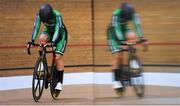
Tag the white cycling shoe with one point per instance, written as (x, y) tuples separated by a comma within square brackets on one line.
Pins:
[(117, 84), (118, 87), (59, 86)]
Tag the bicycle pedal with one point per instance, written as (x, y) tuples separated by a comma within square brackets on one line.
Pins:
[(120, 93), (56, 93)]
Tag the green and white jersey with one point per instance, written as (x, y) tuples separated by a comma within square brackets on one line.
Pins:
[(118, 27), (53, 28)]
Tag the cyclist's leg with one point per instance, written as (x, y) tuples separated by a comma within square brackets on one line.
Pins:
[(60, 49), (59, 72), (43, 38), (117, 68), (117, 63)]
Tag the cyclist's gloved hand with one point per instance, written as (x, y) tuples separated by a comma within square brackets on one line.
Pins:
[(145, 47), (145, 44), (53, 44), (141, 38), (30, 43)]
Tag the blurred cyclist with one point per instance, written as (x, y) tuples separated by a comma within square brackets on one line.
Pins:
[(118, 31), (54, 32)]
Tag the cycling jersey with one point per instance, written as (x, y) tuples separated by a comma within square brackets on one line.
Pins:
[(119, 27), (55, 30)]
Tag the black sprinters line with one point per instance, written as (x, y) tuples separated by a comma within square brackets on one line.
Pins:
[(91, 65), (24, 68), (144, 65)]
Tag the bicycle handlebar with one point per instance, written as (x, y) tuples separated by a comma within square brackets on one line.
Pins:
[(35, 44), (28, 48), (133, 42)]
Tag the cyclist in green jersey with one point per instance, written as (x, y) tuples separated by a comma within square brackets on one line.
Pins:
[(54, 32), (118, 31)]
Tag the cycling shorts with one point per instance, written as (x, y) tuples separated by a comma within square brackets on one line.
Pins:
[(113, 42), (62, 42)]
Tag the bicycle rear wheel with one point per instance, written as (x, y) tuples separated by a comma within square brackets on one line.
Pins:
[(38, 79), (54, 93)]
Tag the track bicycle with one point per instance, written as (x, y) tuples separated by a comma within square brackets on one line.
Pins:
[(43, 76), (132, 74)]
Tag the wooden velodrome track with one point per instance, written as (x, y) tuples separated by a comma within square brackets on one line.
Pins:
[(87, 45), (94, 95)]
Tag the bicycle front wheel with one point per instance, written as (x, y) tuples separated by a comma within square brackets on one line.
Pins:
[(38, 79), (138, 85), (137, 80)]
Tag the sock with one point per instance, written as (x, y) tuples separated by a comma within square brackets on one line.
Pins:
[(117, 74), (60, 76)]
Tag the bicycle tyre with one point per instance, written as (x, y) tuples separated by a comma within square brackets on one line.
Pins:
[(139, 86), (138, 82), (53, 82), (38, 79)]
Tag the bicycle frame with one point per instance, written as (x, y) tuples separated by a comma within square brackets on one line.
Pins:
[(42, 53), (132, 80), (132, 56)]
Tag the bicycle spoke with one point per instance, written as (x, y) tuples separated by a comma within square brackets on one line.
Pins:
[(37, 86), (138, 85), (137, 80), (41, 67)]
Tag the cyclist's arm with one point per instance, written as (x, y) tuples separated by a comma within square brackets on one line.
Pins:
[(37, 25), (57, 29), (137, 25), (117, 27)]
